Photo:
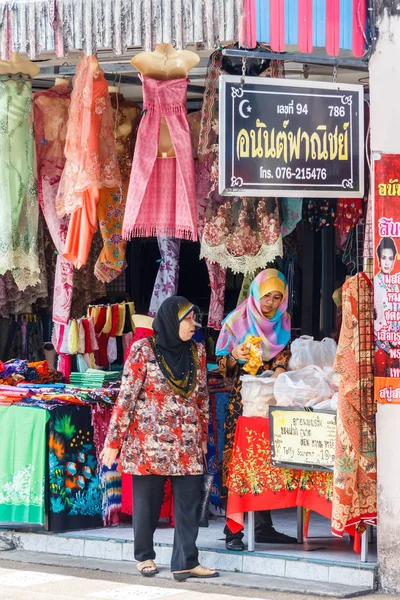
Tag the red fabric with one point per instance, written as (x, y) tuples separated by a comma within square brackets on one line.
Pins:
[(254, 484), (305, 26), (277, 25), (114, 323), (248, 29), (101, 354), (88, 341), (140, 334), (359, 17), (167, 509), (332, 27), (348, 213)]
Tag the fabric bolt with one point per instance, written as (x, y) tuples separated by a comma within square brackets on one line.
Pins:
[(162, 195), (291, 213), (91, 161), (256, 485), (111, 207), (51, 116), (22, 471), (166, 284), (248, 319), (355, 475), (147, 408), (19, 207)]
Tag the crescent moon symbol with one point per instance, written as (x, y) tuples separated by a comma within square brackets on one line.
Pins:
[(241, 113)]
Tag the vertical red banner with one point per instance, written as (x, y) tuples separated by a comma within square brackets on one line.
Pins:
[(387, 278)]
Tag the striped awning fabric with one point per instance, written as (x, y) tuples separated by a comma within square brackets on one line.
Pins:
[(307, 24)]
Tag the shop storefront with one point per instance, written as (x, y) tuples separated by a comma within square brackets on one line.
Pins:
[(270, 169)]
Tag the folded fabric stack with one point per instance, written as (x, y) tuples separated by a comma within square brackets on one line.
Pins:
[(17, 371), (93, 378)]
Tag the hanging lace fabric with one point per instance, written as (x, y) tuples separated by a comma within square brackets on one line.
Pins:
[(91, 161), (19, 207), (167, 280), (242, 234), (51, 116)]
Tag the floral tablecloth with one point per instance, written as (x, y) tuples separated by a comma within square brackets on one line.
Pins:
[(255, 484)]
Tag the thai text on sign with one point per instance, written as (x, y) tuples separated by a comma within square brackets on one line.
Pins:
[(303, 439)]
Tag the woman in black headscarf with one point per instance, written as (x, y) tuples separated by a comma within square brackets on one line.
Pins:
[(159, 424)]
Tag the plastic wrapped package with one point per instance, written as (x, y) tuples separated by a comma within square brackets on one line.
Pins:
[(306, 351), (257, 394), (305, 387)]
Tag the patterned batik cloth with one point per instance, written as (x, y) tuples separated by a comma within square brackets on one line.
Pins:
[(255, 484), (291, 211), (111, 208), (91, 161), (354, 485), (51, 116), (19, 207), (167, 280), (348, 213), (109, 479), (22, 471), (75, 496), (162, 196), (319, 213)]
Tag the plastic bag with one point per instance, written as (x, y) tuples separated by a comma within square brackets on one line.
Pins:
[(257, 394), (306, 351), (328, 403), (305, 387)]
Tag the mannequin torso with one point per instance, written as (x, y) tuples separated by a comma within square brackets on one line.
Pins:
[(163, 64), (16, 65)]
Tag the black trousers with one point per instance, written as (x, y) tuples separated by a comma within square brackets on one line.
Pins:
[(263, 525), (148, 493)]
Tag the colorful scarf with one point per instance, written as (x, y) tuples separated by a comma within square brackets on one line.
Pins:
[(248, 319)]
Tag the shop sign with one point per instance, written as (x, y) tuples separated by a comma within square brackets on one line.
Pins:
[(284, 138), (387, 278), (302, 439)]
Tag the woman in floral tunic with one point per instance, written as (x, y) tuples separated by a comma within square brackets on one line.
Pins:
[(264, 315), (159, 424)]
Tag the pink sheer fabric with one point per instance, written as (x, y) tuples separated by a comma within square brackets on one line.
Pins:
[(162, 196), (166, 284), (90, 146), (51, 117)]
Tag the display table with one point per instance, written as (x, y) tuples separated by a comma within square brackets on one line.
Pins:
[(255, 484)]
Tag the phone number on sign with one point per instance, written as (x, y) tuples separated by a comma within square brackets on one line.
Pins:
[(305, 173)]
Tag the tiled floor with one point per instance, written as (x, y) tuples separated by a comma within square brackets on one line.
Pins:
[(320, 545)]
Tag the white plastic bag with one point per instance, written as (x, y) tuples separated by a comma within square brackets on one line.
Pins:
[(257, 394), (305, 387), (306, 351)]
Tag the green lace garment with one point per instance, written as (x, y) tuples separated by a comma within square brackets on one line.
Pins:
[(19, 208)]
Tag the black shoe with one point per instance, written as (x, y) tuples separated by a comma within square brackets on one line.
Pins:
[(235, 545), (270, 536)]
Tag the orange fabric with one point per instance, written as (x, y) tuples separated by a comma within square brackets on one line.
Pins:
[(81, 229)]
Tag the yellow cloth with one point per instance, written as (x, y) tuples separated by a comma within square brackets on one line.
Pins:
[(73, 337), (121, 319), (273, 284), (108, 324)]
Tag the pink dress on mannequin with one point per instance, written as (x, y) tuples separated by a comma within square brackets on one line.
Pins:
[(162, 194)]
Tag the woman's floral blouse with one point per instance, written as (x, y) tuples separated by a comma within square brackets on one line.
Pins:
[(158, 431)]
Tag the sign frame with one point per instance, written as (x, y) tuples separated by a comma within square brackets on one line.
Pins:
[(292, 190), (293, 465)]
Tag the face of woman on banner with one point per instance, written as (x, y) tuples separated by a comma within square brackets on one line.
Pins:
[(387, 260)]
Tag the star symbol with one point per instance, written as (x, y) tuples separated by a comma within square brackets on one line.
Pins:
[(248, 108)]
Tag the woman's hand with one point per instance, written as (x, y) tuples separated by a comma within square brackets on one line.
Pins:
[(241, 352), (277, 372), (204, 447), (108, 456)]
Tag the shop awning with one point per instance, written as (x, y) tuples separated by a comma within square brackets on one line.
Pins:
[(35, 26), (333, 24)]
